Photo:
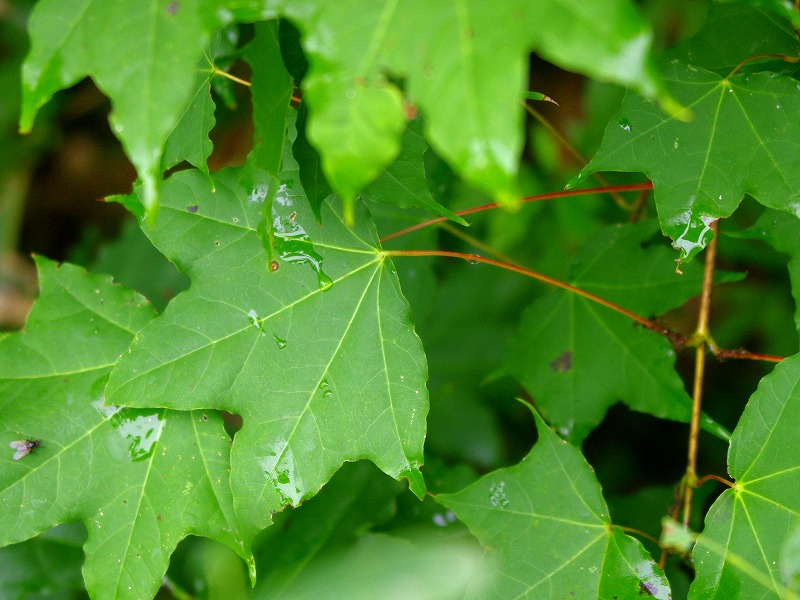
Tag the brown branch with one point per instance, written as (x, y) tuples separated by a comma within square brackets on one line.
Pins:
[(706, 478), (636, 187), (741, 353), (476, 258), (784, 57), (702, 335), (619, 200)]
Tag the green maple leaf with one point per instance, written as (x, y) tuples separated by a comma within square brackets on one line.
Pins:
[(547, 531), (465, 64), (316, 351), (139, 479), (742, 140), (578, 358), (143, 55), (741, 550)]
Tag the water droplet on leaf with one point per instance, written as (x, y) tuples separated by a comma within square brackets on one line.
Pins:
[(279, 342), (497, 495)]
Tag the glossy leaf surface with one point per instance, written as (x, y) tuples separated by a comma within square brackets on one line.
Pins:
[(314, 350), (547, 532), (740, 552), (132, 476), (578, 358), (742, 139)]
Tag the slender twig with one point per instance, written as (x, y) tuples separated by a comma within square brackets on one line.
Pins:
[(706, 478), (784, 57), (452, 230), (217, 71), (723, 354), (476, 258), (638, 532), (619, 200), (635, 187), (702, 335), (636, 214)]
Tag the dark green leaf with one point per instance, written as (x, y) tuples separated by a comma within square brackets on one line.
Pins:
[(311, 175), (46, 566), (782, 231), (577, 358), (749, 32), (357, 497), (786, 10)]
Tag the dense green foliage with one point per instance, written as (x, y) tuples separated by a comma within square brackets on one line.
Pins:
[(318, 408)]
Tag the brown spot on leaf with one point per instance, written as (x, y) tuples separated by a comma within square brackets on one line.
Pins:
[(563, 363)]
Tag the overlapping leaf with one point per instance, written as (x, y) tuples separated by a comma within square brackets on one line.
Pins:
[(782, 231), (464, 63), (271, 89), (140, 480), (577, 358), (315, 350), (748, 32), (743, 139), (142, 54), (547, 531), (403, 182), (189, 139), (740, 552), (783, 9)]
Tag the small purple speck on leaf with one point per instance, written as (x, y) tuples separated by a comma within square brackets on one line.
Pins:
[(172, 8), (193, 208)]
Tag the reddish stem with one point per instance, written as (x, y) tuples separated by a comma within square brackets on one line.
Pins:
[(741, 353), (533, 274), (702, 480), (635, 187)]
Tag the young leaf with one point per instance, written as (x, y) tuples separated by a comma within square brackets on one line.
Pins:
[(143, 55), (578, 358), (316, 351), (547, 532), (272, 90), (739, 554), (403, 182), (465, 64), (139, 479), (311, 175), (742, 140), (189, 140)]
